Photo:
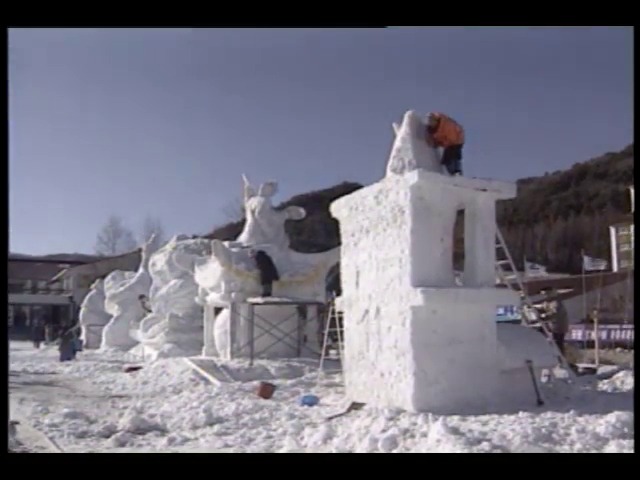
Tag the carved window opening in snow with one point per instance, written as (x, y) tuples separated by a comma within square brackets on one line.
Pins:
[(458, 250)]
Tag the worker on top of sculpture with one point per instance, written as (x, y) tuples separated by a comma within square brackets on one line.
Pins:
[(268, 271), (444, 132)]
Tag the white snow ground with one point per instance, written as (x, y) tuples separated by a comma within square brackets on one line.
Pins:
[(91, 405)]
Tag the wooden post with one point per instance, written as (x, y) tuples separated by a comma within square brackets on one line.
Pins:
[(584, 297), (596, 337)]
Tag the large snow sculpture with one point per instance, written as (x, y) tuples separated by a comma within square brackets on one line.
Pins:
[(413, 338), (93, 316), (229, 278), (175, 325), (122, 290)]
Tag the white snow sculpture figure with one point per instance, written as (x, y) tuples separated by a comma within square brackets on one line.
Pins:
[(174, 328), (231, 275), (264, 224), (93, 316), (122, 290)]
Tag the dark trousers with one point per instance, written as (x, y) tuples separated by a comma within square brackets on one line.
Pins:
[(36, 343), (67, 354), (452, 159), (559, 339), (267, 289)]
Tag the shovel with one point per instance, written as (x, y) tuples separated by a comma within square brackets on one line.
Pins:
[(353, 406)]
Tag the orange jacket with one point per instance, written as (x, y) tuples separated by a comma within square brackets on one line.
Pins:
[(448, 132)]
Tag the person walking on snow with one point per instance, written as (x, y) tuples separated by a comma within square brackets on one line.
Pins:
[(67, 346), (268, 271), (37, 332), (444, 132)]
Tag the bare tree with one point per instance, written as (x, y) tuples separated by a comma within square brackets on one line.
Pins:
[(114, 238), (152, 226)]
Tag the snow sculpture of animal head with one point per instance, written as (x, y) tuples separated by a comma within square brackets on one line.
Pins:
[(232, 272), (264, 224)]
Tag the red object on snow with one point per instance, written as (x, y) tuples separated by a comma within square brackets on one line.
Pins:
[(265, 390)]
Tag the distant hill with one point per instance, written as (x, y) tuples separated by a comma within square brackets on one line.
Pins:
[(557, 215), (317, 232), (553, 217), (57, 257)]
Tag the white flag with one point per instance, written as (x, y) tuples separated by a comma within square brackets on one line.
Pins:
[(534, 269), (590, 264)]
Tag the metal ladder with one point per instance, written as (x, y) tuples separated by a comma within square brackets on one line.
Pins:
[(512, 279), (332, 327)]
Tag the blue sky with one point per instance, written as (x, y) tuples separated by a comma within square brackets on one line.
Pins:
[(163, 122)]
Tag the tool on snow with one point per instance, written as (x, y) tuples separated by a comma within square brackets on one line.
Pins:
[(539, 401)]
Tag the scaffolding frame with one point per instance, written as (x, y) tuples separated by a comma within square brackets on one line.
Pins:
[(305, 313)]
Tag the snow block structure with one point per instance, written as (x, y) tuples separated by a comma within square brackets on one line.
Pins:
[(229, 286), (414, 339)]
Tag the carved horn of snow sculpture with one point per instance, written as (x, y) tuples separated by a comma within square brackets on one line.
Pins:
[(231, 276)]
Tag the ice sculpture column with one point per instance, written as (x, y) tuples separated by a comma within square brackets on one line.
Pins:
[(480, 242)]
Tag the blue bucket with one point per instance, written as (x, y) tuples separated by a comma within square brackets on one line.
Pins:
[(309, 401)]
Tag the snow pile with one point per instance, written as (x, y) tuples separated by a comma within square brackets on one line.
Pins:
[(166, 406), (93, 316), (621, 382), (175, 326), (136, 423)]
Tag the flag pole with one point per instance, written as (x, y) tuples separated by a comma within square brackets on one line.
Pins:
[(596, 314), (584, 300)]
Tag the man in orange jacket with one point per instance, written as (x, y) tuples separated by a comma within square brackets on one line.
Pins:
[(445, 132)]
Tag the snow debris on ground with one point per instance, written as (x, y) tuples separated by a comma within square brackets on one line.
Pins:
[(92, 405), (620, 382)]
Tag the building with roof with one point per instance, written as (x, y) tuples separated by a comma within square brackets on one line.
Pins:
[(79, 278), (31, 292)]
